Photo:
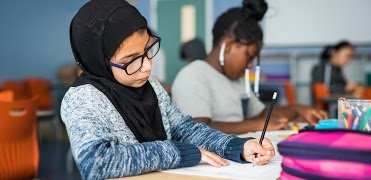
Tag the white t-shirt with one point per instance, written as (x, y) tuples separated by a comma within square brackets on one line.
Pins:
[(201, 91)]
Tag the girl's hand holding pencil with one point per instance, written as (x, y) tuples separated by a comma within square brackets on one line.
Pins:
[(265, 151)]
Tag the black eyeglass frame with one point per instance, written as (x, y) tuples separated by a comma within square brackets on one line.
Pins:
[(145, 54)]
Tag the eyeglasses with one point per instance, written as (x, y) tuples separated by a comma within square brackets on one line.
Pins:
[(134, 65)]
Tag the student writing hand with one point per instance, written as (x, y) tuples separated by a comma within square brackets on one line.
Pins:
[(276, 122), (212, 159), (351, 86), (355, 89), (265, 151), (309, 114)]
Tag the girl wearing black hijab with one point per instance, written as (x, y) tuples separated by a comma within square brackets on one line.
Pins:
[(120, 122)]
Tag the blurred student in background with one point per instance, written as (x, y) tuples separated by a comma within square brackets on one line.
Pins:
[(330, 69), (210, 91), (120, 121), (193, 50)]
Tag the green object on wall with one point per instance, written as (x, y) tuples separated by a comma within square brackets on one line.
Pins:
[(168, 19), (368, 78)]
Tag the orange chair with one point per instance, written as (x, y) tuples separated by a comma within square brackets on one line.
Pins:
[(18, 88), (19, 150), (289, 92), (40, 87), (320, 92), (6, 96), (366, 92)]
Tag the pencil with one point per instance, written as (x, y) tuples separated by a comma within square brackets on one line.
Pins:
[(266, 122)]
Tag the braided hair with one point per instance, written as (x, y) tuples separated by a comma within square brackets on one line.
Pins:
[(241, 23)]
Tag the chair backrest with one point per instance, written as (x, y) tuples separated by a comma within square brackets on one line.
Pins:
[(289, 92), (320, 91), (366, 93), (40, 87), (6, 96), (18, 88), (19, 150)]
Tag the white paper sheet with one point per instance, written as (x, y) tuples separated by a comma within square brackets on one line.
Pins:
[(271, 170), (234, 171)]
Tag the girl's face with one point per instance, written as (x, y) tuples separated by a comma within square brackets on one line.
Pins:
[(131, 48), (238, 57), (341, 57)]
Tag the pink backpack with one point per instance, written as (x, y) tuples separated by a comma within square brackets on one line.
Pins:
[(326, 154)]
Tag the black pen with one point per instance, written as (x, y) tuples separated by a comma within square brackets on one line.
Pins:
[(266, 123)]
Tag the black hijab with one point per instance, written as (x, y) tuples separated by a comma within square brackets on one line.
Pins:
[(96, 31)]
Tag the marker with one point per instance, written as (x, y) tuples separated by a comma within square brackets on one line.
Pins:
[(266, 122)]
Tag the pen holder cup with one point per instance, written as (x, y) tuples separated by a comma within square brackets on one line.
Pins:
[(354, 114)]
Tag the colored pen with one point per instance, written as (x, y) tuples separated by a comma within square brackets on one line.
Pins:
[(360, 107), (343, 111), (266, 123), (358, 110), (365, 119), (355, 115), (358, 114), (355, 123), (345, 116), (369, 123), (349, 112), (368, 128)]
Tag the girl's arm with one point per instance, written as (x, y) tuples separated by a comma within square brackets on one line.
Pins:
[(104, 148)]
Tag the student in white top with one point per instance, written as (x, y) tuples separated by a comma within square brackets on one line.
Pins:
[(211, 91)]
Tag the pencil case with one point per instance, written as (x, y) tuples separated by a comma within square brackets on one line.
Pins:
[(326, 154)]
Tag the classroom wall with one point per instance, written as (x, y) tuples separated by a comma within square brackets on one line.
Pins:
[(316, 22), (34, 37)]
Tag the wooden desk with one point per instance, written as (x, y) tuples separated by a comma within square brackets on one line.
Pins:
[(167, 176)]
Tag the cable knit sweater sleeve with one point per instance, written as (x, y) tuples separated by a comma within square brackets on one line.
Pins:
[(104, 147)]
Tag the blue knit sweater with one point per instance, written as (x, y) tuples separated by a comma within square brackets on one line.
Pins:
[(104, 147)]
